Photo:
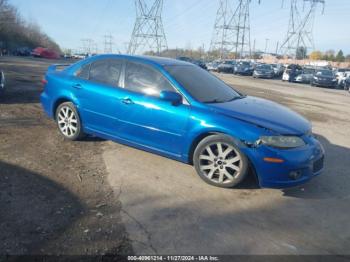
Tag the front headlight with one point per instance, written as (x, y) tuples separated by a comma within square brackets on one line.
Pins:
[(282, 141), (315, 77)]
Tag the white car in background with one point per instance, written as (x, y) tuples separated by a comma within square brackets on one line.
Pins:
[(344, 81), (342, 74), (213, 66), (79, 56), (285, 76), (289, 69)]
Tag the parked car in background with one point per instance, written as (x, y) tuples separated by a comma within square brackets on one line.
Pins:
[(278, 69), (341, 74), (324, 78), (291, 72), (192, 61), (306, 76), (347, 84), (79, 56), (344, 81), (213, 66), (263, 71), (227, 66), (222, 133), (45, 53), (200, 63), (23, 51), (2, 82), (243, 68)]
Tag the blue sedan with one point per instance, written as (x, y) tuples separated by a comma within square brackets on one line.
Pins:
[(180, 111)]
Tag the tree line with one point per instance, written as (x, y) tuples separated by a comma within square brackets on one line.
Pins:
[(330, 55), (16, 33)]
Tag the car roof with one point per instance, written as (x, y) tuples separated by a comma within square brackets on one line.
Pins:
[(160, 61)]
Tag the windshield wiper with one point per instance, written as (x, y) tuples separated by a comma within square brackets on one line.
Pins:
[(214, 101), (217, 101), (236, 98)]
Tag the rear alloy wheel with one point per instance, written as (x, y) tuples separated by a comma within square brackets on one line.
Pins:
[(219, 162), (68, 121)]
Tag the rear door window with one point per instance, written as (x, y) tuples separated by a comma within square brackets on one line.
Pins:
[(106, 72), (83, 72)]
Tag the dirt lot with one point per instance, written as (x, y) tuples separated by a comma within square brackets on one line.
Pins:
[(94, 196), (54, 198)]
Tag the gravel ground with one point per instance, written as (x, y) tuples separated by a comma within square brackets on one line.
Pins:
[(54, 198)]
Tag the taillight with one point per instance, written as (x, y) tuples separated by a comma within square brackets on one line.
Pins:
[(44, 81)]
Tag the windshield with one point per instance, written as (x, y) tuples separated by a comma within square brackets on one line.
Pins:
[(264, 67), (203, 86), (309, 71), (244, 64), (325, 73)]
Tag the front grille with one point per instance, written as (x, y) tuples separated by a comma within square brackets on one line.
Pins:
[(318, 165)]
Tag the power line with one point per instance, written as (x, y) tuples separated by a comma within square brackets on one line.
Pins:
[(148, 33)]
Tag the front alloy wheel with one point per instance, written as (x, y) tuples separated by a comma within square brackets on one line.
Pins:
[(219, 162)]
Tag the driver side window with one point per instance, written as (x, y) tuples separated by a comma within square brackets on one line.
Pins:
[(145, 80)]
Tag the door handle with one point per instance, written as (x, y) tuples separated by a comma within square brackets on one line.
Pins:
[(127, 101), (77, 86)]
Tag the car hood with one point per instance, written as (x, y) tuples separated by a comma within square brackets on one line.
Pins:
[(265, 113), (322, 77), (243, 68), (305, 75), (225, 65), (262, 71)]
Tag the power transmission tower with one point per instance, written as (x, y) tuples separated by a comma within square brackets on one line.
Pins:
[(148, 33), (232, 29), (300, 28), (87, 46), (108, 44)]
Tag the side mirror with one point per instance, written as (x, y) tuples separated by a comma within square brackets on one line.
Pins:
[(172, 97)]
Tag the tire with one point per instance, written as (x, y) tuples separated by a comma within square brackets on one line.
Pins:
[(226, 169), (68, 121)]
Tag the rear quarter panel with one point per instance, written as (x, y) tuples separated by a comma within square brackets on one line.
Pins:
[(58, 88)]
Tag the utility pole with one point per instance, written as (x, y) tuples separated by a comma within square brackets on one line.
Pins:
[(232, 29), (277, 44), (254, 43), (108, 44), (148, 33), (300, 28), (266, 44)]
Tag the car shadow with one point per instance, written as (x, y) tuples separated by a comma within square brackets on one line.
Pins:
[(90, 138), (33, 210), (333, 182)]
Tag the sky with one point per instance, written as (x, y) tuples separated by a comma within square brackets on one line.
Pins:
[(187, 23)]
